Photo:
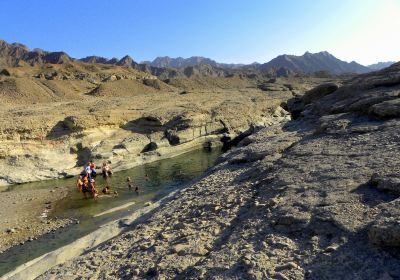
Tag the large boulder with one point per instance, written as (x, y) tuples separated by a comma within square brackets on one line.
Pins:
[(73, 123), (386, 109), (297, 104), (319, 92)]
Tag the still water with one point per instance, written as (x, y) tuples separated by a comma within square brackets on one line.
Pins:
[(162, 178)]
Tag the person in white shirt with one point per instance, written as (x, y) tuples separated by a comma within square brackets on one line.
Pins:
[(88, 169)]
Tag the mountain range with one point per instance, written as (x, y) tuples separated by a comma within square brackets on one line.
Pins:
[(307, 63), (180, 62), (314, 62), (381, 65), (16, 54)]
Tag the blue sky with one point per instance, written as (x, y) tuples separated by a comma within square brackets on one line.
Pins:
[(225, 30)]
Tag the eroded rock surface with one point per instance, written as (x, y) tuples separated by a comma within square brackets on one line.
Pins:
[(53, 140)]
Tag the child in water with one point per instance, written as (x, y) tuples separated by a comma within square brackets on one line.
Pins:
[(106, 190), (130, 185), (92, 188)]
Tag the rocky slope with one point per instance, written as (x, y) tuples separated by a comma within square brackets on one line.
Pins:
[(315, 198)]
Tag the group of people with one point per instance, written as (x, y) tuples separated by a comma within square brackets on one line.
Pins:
[(86, 182)]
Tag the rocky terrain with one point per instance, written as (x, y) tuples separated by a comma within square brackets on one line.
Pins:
[(313, 198)]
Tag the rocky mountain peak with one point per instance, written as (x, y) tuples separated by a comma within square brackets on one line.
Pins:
[(94, 59), (126, 61), (19, 45), (56, 58)]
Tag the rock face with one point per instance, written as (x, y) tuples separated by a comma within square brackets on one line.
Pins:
[(314, 198), (127, 131), (297, 105)]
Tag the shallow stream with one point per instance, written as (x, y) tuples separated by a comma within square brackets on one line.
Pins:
[(162, 178)]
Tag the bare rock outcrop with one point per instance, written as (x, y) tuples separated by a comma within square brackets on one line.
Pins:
[(297, 105), (123, 121)]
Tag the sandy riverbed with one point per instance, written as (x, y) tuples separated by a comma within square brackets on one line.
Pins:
[(24, 215)]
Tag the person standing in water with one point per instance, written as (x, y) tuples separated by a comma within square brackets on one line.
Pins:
[(93, 172), (85, 185), (88, 170), (106, 170), (79, 183)]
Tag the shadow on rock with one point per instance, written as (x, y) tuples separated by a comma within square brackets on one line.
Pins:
[(84, 155), (371, 196), (58, 131), (144, 125)]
